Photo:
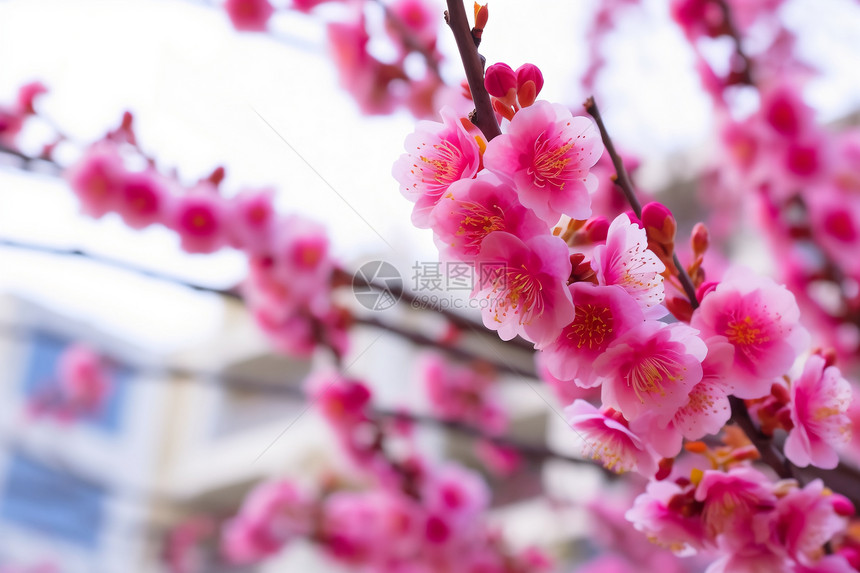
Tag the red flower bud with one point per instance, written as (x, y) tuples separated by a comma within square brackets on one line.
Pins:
[(699, 240), (659, 223), (596, 230), (482, 14), (529, 73), (499, 79)]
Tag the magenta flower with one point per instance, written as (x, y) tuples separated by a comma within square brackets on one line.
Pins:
[(437, 155), (626, 261), (96, 179), (273, 514), (601, 315), (142, 200), (84, 380), (807, 519), (607, 438), (737, 506), (302, 259), (820, 400), (524, 284), (250, 228), (651, 368), (707, 409), (660, 514), (199, 220), (762, 321), (547, 154), (249, 15), (464, 394), (471, 209)]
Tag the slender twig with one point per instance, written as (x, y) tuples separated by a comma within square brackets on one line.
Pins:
[(622, 180), (455, 351), (484, 117)]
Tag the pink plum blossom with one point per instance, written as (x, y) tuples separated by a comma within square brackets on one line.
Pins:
[(606, 437), (455, 496), (84, 380), (96, 179), (437, 155), (473, 208), (300, 248), (625, 260), (143, 199), (547, 154), (249, 15), (761, 320), (820, 399), (273, 514), (601, 315), (251, 225), (525, 285), (659, 514), (807, 520), (651, 368), (199, 219), (707, 409), (737, 506)]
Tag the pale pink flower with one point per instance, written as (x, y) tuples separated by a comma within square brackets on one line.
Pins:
[(471, 209), (651, 368), (761, 320), (249, 15), (660, 514), (820, 400), (602, 314), (252, 219), (96, 179), (84, 380), (752, 558), (661, 436), (547, 154), (607, 438), (199, 220), (738, 506), (565, 390), (625, 260), (807, 520), (300, 248), (272, 514), (437, 155), (707, 409), (419, 18), (525, 286), (143, 199), (465, 394), (456, 496)]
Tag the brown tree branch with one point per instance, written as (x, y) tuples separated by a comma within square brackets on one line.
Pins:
[(484, 117)]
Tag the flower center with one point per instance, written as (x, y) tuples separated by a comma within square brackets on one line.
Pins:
[(478, 222), (590, 326), (744, 333), (518, 291), (444, 163), (649, 374), (549, 162)]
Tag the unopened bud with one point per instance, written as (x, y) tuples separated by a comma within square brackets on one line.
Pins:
[(499, 79), (680, 308), (529, 73), (659, 223), (482, 14), (596, 229), (700, 239), (841, 505), (527, 94)]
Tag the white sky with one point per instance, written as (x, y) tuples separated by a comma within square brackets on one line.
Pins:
[(194, 85)]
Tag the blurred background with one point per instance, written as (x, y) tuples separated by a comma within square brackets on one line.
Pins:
[(104, 493)]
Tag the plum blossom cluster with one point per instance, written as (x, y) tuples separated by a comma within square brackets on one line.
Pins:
[(80, 390), (597, 299), (419, 517), (750, 522), (13, 117), (379, 86), (469, 395), (291, 269)]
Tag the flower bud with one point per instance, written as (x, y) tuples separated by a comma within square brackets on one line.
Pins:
[(596, 230), (704, 289), (482, 14), (700, 239), (499, 79), (659, 223), (529, 73)]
